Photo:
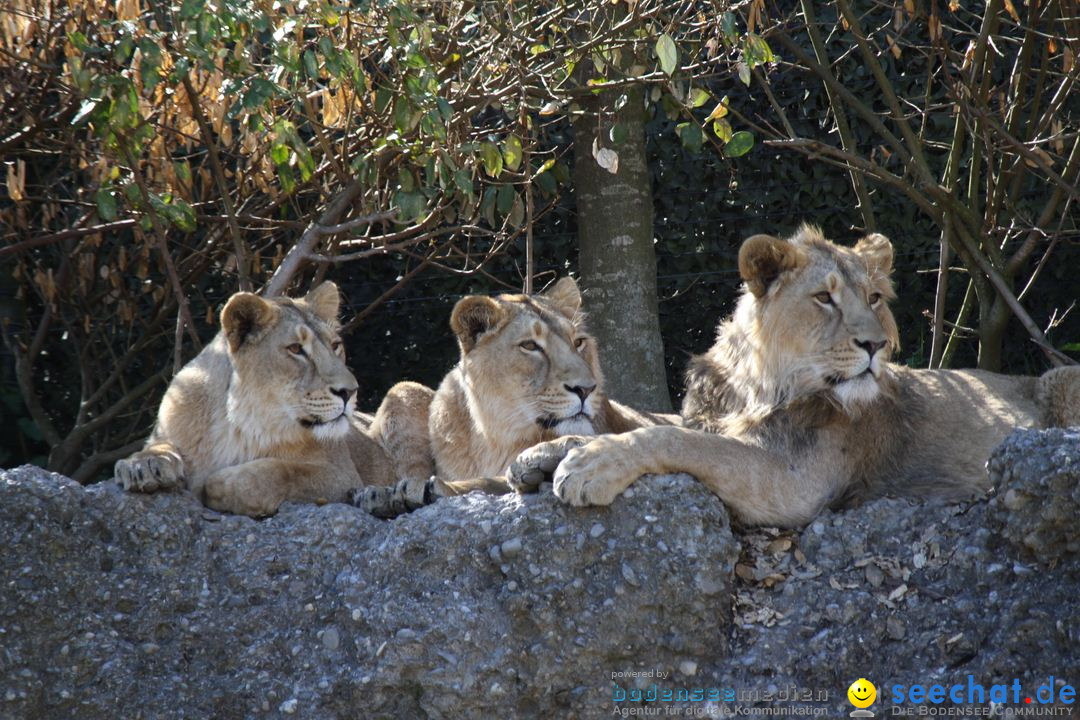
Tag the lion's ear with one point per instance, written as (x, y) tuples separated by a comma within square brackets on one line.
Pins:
[(877, 251), (565, 296), (325, 301), (472, 317), (762, 259), (245, 317)]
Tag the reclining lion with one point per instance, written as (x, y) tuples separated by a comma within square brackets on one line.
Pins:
[(264, 414), (796, 406), (529, 372)]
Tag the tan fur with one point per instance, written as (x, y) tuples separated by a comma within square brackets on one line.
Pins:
[(790, 412), (263, 413), (505, 396)]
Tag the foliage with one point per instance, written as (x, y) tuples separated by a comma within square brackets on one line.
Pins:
[(167, 154)]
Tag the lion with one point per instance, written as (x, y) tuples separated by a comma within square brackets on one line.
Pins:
[(264, 413), (796, 407), (529, 372)]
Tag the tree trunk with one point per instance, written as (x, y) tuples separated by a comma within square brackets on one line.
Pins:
[(617, 259)]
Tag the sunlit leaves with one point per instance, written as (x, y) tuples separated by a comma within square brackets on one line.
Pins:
[(512, 153), (492, 159), (667, 53), (739, 144)]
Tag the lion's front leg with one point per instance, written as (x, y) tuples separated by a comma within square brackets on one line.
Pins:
[(258, 488), (536, 464), (157, 467), (758, 487), (597, 472)]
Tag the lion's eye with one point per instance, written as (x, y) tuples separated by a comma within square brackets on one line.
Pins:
[(874, 298), (336, 346), (579, 343), (529, 345), (295, 349), (824, 298)]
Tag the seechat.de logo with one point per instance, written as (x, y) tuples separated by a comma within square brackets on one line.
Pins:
[(862, 694)]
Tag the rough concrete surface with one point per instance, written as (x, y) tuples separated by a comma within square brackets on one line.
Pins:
[(120, 605)]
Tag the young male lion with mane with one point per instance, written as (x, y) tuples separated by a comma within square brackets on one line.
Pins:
[(796, 406)]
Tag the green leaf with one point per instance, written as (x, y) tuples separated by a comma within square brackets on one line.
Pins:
[(618, 133), (382, 100), (305, 161), (182, 215), (546, 182), (149, 63), (722, 128), (739, 144), (106, 204), (667, 53), (1071, 347), (279, 153), (492, 159), (445, 109), (464, 182), (728, 27), (311, 64), (690, 134), (512, 152), (744, 73), (504, 200), (698, 97), (192, 9), (79, 40), (286, 178), (411, 205), (123, 49), (757, 51), (402, 115)]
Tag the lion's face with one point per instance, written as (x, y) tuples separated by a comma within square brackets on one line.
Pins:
[(818, 313), (529, 362), (289, 373)]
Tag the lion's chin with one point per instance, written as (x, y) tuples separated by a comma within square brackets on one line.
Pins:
[(331, 429), (859, 390), (580, 424)]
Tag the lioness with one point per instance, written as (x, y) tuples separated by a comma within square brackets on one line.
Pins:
[(264, 413), (796, 406), (529, 372)]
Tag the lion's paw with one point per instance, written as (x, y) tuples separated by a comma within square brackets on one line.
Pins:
[(240, 491), (536, 464), (594, 474), (150, 471), (389, 502)]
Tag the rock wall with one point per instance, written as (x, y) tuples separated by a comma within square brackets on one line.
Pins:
[(119, 605)]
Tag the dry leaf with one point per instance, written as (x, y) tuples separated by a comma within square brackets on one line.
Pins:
[(605, 157), (893, 48), (779, 545), (898, 592), (1011, 9)]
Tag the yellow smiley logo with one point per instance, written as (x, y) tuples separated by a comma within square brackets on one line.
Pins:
[(862, 693)]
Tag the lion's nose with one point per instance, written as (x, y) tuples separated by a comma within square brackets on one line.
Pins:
[(870, 346), (582, 391), (343, 393)]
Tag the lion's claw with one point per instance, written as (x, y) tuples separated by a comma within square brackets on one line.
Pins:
[(149, 472), (536, 464)]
